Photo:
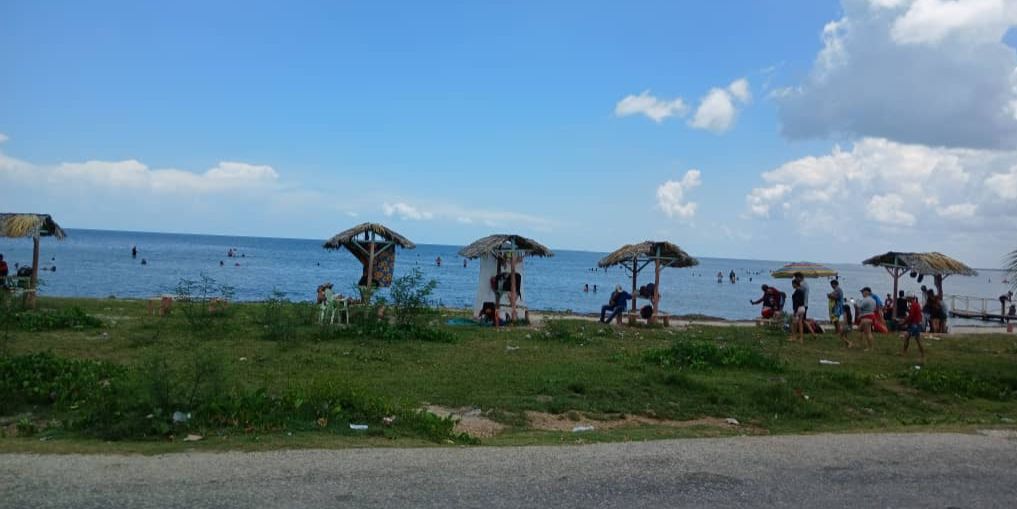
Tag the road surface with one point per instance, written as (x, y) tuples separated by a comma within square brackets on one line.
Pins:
[(828, 471)]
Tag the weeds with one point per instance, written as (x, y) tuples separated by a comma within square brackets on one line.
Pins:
[(205, 305), (698, 354)]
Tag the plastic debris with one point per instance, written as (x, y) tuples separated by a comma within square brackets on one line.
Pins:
[(511, 348), (358, 427), (580, 429), (388, 421), (732, 421), (826, 362), (193, 438), (180, 417)]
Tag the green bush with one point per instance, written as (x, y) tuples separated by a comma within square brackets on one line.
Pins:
[(569, 331), (43, 379), (53, 319), (204, 303), (411, 299), (279, 318), (697, 354), (962, 383)]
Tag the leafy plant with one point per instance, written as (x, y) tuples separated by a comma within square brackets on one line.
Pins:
[(698, 354), (279, 318), (411, 298), (205, 305)]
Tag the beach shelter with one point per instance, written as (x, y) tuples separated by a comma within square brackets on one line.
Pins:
[(807, 269), (501, 270), (635, 257), (374, 246), (937, 265), (34, 226)]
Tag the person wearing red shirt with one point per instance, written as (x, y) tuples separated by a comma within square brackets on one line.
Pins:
[(912, 325)]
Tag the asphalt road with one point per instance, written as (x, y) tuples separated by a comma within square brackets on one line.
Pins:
[(910, 470)]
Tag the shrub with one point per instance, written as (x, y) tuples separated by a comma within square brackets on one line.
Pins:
[(53, 319), (204, 303), (279, 318), (696, 354), (411, 298)]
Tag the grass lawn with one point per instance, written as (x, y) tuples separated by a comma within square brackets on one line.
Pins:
[(578, 370)]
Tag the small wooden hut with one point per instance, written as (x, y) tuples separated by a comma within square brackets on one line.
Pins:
[(635, 257), (35, 226), (937, 265), (497, 252), (374, 246)]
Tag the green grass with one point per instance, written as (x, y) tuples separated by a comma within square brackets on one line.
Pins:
[(750, 374)]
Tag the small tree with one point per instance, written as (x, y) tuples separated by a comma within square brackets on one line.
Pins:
[(411, 298)]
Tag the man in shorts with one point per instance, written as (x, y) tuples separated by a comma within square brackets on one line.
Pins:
[(912, 327), (798, 276), (836, 297)]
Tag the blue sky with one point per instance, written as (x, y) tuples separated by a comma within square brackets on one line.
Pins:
[(833, 129)]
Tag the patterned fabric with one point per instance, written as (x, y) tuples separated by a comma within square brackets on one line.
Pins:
[(384, 267)]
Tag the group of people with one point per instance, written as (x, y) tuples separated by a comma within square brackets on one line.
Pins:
[(906, 313)]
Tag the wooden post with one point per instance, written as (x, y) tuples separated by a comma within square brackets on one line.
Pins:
[(635, 271), (656, 288), (513, 297), (497, 292), (370, 268), (34, 284)]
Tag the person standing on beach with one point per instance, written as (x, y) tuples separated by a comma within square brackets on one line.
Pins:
[(798, 310), (836, 297), (798, 276), (912, 327), (1003, 299), (867, 317)]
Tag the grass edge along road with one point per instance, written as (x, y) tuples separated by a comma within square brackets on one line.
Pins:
[(97, 375)]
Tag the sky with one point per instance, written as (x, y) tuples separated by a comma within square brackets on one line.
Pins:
[(816, 130)]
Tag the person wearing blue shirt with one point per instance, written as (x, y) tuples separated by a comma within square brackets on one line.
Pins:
[(616, 305)]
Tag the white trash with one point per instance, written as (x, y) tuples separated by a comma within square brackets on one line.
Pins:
[(358, 427), (732, 421), (828, 362), (580, 429)]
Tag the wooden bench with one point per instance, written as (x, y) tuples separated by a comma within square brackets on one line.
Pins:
[(633, 317)]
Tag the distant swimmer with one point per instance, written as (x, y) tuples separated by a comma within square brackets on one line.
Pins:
[(144, 261), (437, 261), (134, 251), (464, 263), (586, 288), (221, 263)]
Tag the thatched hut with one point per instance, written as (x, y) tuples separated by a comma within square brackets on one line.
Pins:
[(937, 265), (496, 253), (374, 246), (34, 226), (635, 257)]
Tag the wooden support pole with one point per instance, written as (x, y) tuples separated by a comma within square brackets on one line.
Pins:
[(656, 288), (512, 285), (635, 274), (34, 283), (370, 268)]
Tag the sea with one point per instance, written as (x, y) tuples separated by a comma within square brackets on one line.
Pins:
[(98, 263)]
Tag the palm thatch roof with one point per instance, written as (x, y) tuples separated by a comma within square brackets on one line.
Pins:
[(29, 225), (344, 238), (924, 263), (670, 254), (492, 244)]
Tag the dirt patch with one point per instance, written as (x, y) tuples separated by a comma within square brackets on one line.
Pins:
[(468, 420), (568, 422)]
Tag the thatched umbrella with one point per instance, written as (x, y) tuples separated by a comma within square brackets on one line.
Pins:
[(933, 264), (502, 247), (807, 269), (635, 257), (35, 226), (366, 241)]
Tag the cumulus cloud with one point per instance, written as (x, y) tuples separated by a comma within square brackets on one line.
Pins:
[(933, 72), (405, 211), (132, 174), (671, 196), (654, 108), (717, 109), (883, 183)]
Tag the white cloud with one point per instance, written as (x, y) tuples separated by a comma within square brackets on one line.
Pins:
[(405, 211), (958, 211), (889, 209), (932, 21), (717, 110), (933, 72), (1003, 185), (652, 107), (880, 182), (671, 196), (3, 137)]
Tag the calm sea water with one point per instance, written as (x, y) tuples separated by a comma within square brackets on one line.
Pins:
[(97, 263)]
